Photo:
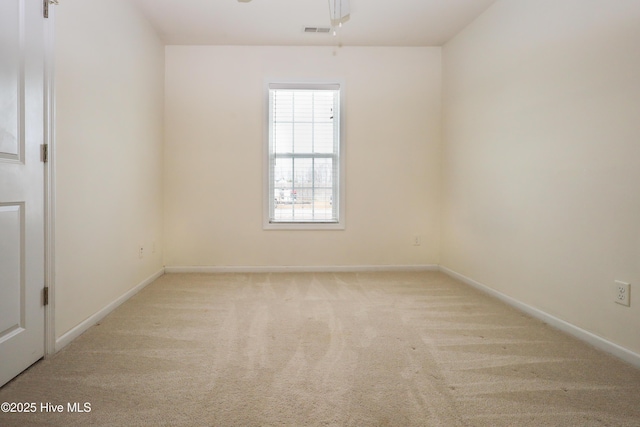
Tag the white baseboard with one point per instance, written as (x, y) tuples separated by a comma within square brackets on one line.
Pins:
[(583, 335), (82, 327), (298, 269)]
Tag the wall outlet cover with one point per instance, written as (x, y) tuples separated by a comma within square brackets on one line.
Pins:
[(622, 293)]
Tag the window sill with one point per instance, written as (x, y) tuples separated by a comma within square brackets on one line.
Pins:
[(303, 226)]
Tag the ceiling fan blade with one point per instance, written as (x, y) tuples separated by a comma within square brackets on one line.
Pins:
[(339, 9)]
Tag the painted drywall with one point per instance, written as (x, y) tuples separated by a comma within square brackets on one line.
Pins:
[(540, 158), (214, 146), (109, 110)]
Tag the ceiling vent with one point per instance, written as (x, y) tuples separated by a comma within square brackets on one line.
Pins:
[(324, 30)]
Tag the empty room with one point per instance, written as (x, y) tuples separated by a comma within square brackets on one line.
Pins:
[(320, 212)]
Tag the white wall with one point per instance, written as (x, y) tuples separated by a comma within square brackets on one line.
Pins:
[(109, 86), (541, 172), (214, 147)]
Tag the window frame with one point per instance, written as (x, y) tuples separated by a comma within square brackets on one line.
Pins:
[(297, 225)]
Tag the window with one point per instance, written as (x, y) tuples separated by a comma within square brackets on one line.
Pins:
[(304, 158)]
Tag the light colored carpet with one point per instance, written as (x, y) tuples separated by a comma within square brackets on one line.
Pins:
[(348, 349)]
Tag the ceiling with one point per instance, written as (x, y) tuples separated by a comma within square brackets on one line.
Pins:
[(281, 22)]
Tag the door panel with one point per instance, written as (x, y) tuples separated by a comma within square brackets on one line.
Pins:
[(21, 186), (12, 249), (9, 79)]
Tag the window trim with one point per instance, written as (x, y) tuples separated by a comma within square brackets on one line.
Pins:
[(312, 85)]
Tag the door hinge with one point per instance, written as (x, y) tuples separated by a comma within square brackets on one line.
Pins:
[(44, 152), (45, 6), (45, 296)]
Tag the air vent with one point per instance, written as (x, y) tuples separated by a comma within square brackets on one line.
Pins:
[(324, 30)]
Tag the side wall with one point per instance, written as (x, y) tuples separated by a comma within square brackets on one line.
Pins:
[(214, 146), (109, 88), (541, 197)]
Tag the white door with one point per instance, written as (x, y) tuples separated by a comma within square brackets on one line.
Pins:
[(21, 186)]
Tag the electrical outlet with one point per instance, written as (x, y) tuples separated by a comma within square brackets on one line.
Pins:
[(141, 252), (622, 295), (416, 241)]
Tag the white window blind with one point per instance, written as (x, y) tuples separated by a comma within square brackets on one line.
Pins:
[(304, 153)]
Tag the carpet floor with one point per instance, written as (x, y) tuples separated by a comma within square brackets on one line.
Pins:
[(324, 349)]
